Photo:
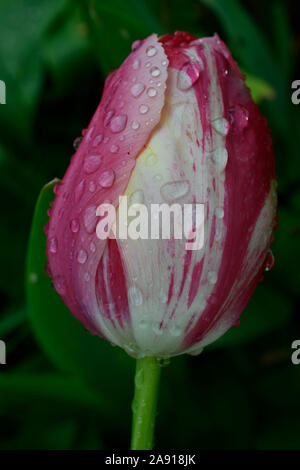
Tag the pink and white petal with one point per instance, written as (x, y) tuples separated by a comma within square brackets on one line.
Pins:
[(163, 268), (99, 172), (211, 137)]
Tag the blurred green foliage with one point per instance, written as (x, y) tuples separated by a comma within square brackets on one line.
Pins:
[(61, 387)]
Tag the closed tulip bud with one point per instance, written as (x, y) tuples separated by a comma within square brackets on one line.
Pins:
[(176, 124)]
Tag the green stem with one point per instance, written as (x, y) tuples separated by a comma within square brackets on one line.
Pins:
[(144, 403)]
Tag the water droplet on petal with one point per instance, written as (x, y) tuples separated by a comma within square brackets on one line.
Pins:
[(156, 328), (163, 296), (90, 219), (97, 140), (92, 163), (92, 247), (188, 75), (221, 126), (219, 213), (218, 235), (131, 349), (135, 295), (108, 117), (157, 178), (143, 324), (135, 125), (79, 191), (107, 178), (212, 277), (151, 92), (136, 44), (86, 277), (53, 245), (61, 212), (76, 142), (136, 64), (60, 285), (220, 157), (196, 351), (118, 123), (137, 197), (92, 186), (240, 114), (164, 63), (137, 89), (151, 51), (114, 148), (144, 108), (174, 190), (269, 261), (74, 225), (175, 330), (56, 189), (82, 256), (151, 160), (155, 72), (90, 133)]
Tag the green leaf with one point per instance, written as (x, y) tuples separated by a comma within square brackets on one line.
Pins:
[(246, 40), (21, 60), (62, 337), (282, 35), (15, 175), (115, 26), (260, 89), (12, 320), (67, 50), (19, 184), (50, 388)]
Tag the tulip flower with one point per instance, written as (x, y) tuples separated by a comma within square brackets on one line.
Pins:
[(176, 124)]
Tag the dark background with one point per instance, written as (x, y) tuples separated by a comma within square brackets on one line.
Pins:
[(62, 388)]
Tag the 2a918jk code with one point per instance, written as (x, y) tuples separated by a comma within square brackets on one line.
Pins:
[(166, 459)]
